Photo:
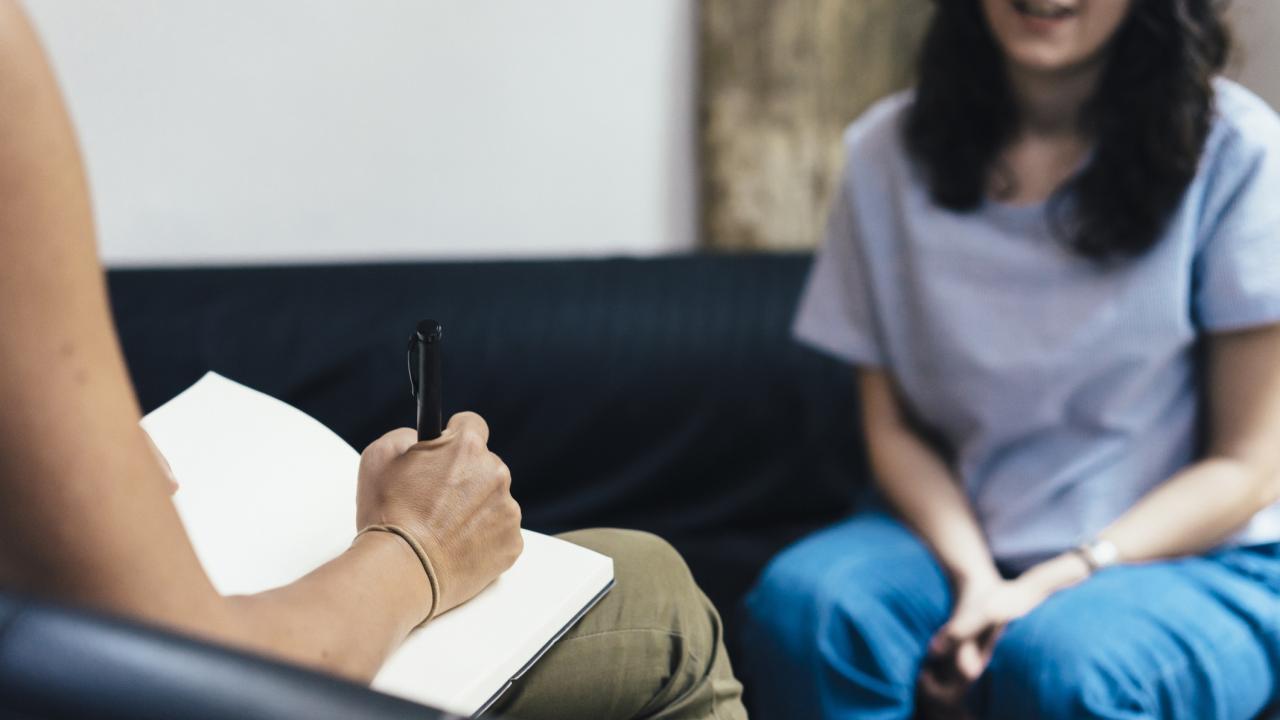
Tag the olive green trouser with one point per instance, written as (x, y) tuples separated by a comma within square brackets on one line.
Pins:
[(652, 648)]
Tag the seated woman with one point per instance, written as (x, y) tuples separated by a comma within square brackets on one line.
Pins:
[(85, 514), (1055, 265)]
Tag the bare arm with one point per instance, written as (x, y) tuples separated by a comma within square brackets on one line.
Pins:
[(1240, 474), (919, 486), (1197, 508), (1193, 511), (85, 514)]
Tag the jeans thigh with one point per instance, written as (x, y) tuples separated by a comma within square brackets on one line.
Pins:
[(1195, 639), (838, 623)]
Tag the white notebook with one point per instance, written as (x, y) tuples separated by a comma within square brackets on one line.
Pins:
[(267, 493)]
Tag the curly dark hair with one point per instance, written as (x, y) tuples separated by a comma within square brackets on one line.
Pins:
[(1148, 119)]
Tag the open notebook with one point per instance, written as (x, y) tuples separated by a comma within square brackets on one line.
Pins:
[(267, 493)]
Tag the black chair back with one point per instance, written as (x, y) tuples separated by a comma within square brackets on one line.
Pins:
[(56, 663)]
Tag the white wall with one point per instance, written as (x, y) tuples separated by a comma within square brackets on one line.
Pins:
[(321, 130), (265, 130)]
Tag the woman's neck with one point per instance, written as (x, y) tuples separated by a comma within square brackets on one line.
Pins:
[(1049, 145), (1050, 103)]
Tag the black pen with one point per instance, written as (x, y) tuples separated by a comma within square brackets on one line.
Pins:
[(425, 343)]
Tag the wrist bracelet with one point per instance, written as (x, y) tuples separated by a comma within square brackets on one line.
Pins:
[(1098, 554), (422, 558)]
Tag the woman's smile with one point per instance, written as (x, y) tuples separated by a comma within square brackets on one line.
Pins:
[(1053, 35), (1045, 9), (1044, 16)]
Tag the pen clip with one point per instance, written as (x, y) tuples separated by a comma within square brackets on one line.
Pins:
[(408, 357)]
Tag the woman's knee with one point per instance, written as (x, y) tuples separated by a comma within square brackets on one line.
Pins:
[(844, 603), (839, 623), (789, 592), (778, 613), (1043, 669)]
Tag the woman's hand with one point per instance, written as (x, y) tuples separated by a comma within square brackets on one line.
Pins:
[(979, 617), (453, 495), (961, 649)]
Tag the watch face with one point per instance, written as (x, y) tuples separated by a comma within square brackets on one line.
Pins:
[(1103, 553)]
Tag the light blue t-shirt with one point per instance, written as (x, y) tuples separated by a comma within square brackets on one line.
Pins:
[(1059, 392)]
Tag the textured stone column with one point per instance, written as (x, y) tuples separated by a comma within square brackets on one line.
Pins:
[(780, 81)]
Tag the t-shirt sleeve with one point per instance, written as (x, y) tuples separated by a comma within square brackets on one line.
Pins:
[(836, 311), (1238, 263)]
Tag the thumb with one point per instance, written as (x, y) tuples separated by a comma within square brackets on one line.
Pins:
[(469, 423), (969, 660), (391, 445), (965, 626)]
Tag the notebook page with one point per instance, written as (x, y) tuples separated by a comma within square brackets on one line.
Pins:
[(267, 493)]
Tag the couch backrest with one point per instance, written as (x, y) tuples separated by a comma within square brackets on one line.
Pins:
[(664, 394)]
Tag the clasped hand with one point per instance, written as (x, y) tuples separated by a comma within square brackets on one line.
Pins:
[(960, 651)]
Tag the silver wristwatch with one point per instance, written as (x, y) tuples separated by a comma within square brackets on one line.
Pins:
[(1098, 554)]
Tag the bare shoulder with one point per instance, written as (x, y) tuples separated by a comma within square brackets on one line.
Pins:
[(19, 46), (38, 151)]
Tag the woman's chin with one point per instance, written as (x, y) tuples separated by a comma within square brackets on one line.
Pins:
[(1044, 59)]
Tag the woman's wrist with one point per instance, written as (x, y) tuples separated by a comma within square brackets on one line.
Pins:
[(973, 577), (403, 570), (1058, 573)]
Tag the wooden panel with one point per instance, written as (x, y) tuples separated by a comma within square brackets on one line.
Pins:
[(780, 81)]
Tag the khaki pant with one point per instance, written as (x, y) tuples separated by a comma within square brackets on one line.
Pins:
[(652, 648)]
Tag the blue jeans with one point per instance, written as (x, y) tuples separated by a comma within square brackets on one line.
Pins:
[(838, 624)]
